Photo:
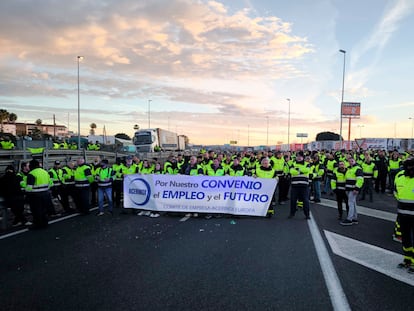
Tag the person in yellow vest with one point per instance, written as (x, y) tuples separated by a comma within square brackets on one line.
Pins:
[(299, 172), (83, 179), (68, 186), (370, 171), (397, 236), (7, 144), (330, 164), (280, 166), (193, 168), (215, 168), (56, 145), (37, 190), (394, 166), (94, 185), (104, 176), (117, 184), (227, 163), (170, 166), (338, 186), (97, 146), (265, 170), (236, 169), (317, 171), (158, 168), (129, 168), (91, 146), (180, 162), (404, 193), (56, 176), (146, 169), (353, 185)]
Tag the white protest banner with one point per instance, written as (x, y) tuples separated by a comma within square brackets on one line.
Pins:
[(202, 194)]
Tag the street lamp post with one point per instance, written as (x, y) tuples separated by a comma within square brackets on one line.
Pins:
[(79, 144), (149, 113), (412, 126), (288, 138), (342, 99)]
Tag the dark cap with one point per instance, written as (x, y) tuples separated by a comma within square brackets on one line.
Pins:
[(10, 168), (57, 162), (105, 161), (128, 157)]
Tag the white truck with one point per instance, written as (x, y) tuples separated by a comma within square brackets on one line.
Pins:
[(150, 140)]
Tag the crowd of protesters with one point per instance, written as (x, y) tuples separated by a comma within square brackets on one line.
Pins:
[(307, 174), (303, 176)]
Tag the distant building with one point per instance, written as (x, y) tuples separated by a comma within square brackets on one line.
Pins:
[(9, 128), (25, 129)]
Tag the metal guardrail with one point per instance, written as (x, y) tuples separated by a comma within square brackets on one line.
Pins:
[(49, 156)]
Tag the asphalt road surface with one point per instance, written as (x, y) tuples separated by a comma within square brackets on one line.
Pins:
[(128, 262)]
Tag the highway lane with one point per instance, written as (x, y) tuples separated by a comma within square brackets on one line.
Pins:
[(127, 262)]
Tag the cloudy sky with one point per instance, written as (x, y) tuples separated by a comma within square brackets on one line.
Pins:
[(215, 71)]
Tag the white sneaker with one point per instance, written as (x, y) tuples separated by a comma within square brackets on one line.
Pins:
[(28, 223), (154, 215), (147, 213), (188, 215), (101, 213), (141, 213), (195, 214)]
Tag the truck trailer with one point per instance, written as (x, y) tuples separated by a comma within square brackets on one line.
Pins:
[(157, 139)]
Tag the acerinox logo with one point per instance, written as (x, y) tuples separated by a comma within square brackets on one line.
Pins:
[(139, 191)]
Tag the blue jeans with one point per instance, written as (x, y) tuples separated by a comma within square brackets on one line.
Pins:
[(352, 213), (316, 190), (105, 191), (327, 187)]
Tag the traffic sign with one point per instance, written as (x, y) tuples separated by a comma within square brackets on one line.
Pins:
[(359, 142)]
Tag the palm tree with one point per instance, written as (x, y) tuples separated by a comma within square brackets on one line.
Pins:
[(4, 115), (37, 131), (12, 117), (92, 130)]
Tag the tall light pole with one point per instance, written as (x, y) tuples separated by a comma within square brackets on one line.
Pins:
[(412, 126), (288, 99), (149, 113), (342, 99), (79, 144)]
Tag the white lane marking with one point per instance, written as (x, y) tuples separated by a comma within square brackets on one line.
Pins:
[(364, 211), (335, 290), (185, 218), (13, 233), (370, 256), (50, 222)]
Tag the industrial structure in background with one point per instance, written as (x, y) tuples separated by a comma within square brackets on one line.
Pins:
[(157, 139)]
